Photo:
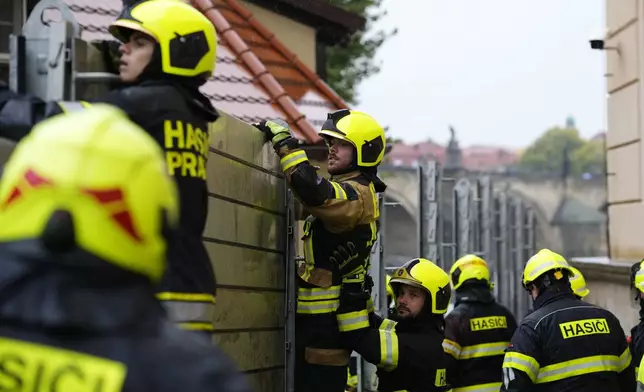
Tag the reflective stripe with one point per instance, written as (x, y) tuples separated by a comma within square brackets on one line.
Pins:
[(309, 258), (316, 293), (317, 307), (490, 387), (193, 311), (580, 366), (339, 192), (522, 362), (388, 346), (353, 320), (483, 350), (292, 159), (71, 106), (374, 197), (370, 306), (387, 325), (452, 348)]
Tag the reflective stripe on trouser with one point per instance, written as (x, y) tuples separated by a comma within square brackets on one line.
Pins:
[(72, 106), (191, 311), (318, 300), (566, 369), (490, 387)]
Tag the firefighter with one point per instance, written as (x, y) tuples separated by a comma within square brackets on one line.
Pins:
[(168, 51), (86, 208), (637, 332), (578, 284), (407, 348), (566, 344), (477, 330), (338, 236)]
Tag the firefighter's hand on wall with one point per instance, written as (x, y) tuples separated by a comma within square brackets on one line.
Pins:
[(276, 131), (111, 54)]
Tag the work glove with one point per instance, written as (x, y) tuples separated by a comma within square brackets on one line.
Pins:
[(109, 49), (343, 255), (276, 131)]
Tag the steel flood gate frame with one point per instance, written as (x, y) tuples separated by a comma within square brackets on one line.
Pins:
[(462, 215)]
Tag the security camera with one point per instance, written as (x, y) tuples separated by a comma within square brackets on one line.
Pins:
[(596, 43)]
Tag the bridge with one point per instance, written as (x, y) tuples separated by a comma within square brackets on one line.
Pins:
[(569, 215)]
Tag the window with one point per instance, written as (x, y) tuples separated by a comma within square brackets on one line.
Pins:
[(12, 16)]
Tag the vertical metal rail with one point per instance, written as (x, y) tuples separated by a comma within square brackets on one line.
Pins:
[(290, 266), (484, 194), (462, 221), (428, 200)]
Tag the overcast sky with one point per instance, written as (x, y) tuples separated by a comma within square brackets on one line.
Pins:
[(500, 71)]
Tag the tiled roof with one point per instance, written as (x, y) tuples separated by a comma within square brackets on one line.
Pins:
[(256, 76), (473, 158)]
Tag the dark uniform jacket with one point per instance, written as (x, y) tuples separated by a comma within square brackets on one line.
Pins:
[(408, 352), (179, 121), (76, 323), (338, 236), (637, 341), (568, 345), (477, 333)]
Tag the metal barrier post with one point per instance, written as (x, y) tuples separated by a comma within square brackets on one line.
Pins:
[(428, 225), (462, 221), (291, 292)]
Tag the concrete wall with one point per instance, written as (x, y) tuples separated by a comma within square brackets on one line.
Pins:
[(609, 288), (625, 30), (299, 38)]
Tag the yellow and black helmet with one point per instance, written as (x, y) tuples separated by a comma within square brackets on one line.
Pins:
[(469, 267), (578, 283), (428, 276), (187, 39), (359, 129), (108, 177), (637, 279), (543, 262), (390, 291)]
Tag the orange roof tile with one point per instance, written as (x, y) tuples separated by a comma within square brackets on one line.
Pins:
[(256, 77)]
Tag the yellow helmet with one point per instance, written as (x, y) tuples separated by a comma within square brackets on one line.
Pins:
[(545, 261), (390, 291), (469, 267), (428, 276), (637, 277), (359, 129), (107, 174), (578, 283), (187, 39)]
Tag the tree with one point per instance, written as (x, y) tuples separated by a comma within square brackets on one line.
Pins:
[(589, 158), (349, 64), (547, 153), (562, 151)]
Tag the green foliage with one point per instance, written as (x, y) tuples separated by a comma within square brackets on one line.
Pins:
[(349, 64), (558, 147)]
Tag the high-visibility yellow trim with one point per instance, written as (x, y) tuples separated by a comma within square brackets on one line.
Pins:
[(452, 348), (309, 255), (388, 349), (318, 293), (374, 198), (317, 307), (197, 326), (581, 366), (483, 350), (489, 387), (188, 297), (353, 320), (340, 194), (292, 159), (522, 362)]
